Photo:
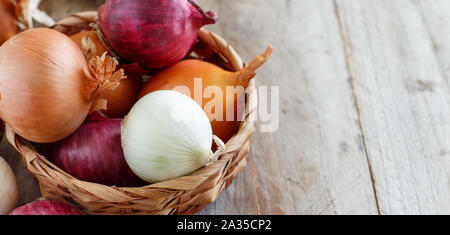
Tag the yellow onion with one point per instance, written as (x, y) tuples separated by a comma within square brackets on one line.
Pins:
[(184, 74), (47, 87), (8, 188)]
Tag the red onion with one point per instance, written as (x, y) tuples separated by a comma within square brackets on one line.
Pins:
[(47, 208), (94, 154), (153, 33)]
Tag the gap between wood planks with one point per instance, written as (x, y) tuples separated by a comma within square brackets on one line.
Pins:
[(346, 48)]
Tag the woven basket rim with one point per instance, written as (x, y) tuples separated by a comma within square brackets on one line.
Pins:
[(233, 159)]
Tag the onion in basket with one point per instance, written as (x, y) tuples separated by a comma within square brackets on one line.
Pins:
[(94, 154), (167, 135), (225, 121), (8, 188), (153, 33), (47, 86)]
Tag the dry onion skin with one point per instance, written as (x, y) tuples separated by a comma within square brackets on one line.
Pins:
[(47, 87), (8, 188), (89, 43)]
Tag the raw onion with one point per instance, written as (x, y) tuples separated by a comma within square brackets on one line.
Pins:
[(153, 33), (184, 73), (47, 87), (94, 154), (167, 135)]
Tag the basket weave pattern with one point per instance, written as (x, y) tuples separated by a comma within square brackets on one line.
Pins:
[(184, 195)]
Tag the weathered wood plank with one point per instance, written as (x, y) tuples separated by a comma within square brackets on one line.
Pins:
[(315, 163), (404, 104), (437, 21)]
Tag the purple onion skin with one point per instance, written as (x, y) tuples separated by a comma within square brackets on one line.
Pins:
[(153, 33), (47, 208), (94, 154)]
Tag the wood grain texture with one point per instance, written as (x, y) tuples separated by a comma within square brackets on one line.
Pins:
[(315, 163), (403, 101)]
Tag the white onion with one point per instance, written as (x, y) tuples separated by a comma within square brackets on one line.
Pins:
[(8, 188), (166, 135)]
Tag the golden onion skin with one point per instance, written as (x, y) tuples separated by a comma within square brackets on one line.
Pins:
[(46, 86)]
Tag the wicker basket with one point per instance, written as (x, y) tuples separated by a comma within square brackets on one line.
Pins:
[(184, 195)]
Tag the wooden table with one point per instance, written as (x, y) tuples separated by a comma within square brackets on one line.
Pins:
[(364, 106)]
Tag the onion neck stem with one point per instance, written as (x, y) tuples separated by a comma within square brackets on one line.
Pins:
[(104, 69), (245, 75), (210, 16)]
